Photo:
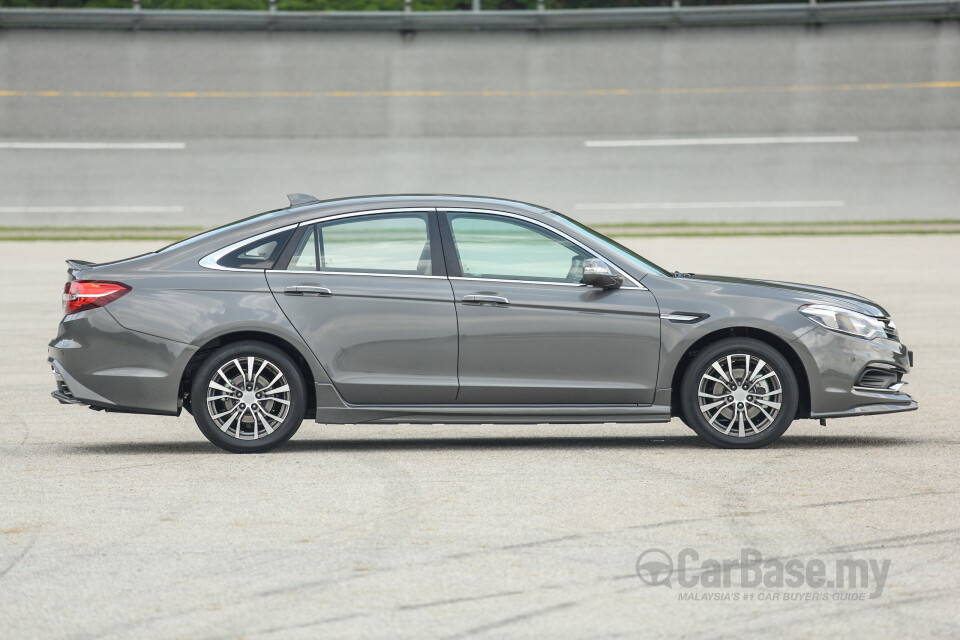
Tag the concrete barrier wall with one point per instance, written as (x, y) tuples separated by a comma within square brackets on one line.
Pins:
[(254, 115), (678, 16)]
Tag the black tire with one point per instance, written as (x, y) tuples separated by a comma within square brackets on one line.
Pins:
[(744, 420), (266, 413)]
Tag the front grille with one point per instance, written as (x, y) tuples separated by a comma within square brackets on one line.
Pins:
[(890, 329)]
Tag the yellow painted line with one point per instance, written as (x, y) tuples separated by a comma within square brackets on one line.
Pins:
[(883, 86)]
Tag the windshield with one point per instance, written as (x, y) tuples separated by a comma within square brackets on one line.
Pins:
[(204, 234), (615, 249)]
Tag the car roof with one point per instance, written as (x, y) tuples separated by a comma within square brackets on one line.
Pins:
[(186, 253), (322, 208), (308, 208)]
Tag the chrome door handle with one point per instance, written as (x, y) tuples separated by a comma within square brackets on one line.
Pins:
[(308, 290), (488, 300)]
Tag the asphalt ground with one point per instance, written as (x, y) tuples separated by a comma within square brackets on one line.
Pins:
[(857, 122), (117, 526)]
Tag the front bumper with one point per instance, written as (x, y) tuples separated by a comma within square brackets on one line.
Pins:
[(901, 402), (840, 366), (98, 363)]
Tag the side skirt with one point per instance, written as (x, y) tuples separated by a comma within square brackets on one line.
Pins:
[(331, 409)]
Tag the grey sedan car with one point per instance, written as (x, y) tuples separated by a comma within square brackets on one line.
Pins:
[(454, 309)]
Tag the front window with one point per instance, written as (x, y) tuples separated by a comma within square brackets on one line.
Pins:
[(612, 248), (502, 248)]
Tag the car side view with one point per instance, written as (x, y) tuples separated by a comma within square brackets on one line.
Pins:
[(456, 309)]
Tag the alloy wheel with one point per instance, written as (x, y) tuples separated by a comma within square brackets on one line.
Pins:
[(740, 395), (248, 398)]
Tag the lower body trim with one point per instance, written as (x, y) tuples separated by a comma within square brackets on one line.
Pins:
[(331, 409)]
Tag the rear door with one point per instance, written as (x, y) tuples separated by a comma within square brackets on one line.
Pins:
[(369, 295), (531, 332)]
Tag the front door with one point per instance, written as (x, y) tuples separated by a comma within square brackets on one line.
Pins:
[(368, 295), (531, 332)]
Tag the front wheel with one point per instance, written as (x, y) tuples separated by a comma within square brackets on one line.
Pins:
[(248, 397), (739, 393)]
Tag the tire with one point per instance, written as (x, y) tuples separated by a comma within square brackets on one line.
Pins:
[(269, 408), (749, 414)]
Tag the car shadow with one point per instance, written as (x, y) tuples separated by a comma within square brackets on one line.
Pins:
[(499, 443)]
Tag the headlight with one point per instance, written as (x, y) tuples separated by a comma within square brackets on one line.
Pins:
[(844, 321)]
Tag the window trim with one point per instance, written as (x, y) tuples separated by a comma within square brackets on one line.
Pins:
[(367, 213), (448, 237), (355, 273), (439, 231), (558, 284)]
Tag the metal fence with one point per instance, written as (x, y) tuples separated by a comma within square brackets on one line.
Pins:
[(675, 15)]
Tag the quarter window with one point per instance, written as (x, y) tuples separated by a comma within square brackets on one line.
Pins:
[(387, 243), (259, 254), (503, 248)]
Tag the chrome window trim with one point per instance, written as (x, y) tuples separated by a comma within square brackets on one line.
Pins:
[(556, 284), (371, 212), (352, 273), (559, 284), (210, 261), (517, 216)]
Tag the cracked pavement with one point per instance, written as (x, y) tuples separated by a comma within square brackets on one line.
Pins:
[(116, 526)]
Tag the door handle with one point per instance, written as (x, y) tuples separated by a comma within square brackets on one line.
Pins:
[(485, 300), (307, 290)]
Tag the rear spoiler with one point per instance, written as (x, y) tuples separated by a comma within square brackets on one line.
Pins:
[(76, 266)]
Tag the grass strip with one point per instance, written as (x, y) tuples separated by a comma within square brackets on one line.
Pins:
[(798, 223), (167, 229), (85, 238), (618, 230), (791, 232)]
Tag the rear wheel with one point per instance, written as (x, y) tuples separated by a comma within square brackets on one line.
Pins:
[(248, 397), (739, 393)]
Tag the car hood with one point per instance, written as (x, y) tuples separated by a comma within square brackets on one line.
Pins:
[(805, 293)]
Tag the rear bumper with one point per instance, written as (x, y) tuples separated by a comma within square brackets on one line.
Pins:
[(63, 398), (63, 394), (98, 363)]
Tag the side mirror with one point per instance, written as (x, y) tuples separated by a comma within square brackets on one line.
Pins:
[(597, 273)]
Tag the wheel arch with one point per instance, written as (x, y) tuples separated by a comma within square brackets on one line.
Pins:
[(211, 345), (774, 341)]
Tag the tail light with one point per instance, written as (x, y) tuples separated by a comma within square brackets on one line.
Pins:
[(81, 295)]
